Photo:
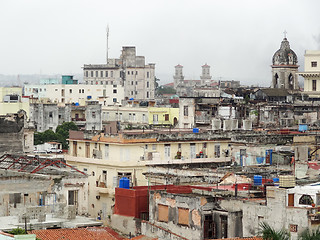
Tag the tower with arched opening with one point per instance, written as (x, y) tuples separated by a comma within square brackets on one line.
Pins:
[(284, 67)]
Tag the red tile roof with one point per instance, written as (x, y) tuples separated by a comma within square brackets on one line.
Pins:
[(91, 233), (237, 238)]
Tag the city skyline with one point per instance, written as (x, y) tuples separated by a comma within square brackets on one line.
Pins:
[(237, 39)]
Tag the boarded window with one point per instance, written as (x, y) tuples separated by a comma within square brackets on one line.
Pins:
[(163, 212), (183, 216)]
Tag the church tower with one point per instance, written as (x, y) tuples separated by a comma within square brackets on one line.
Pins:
[(284, 67), (178, 76), (205, 76)]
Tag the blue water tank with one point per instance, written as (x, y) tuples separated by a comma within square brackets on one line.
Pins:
[(257, 180), (276, 181), (124, 183), (77, 104), (196, 130)]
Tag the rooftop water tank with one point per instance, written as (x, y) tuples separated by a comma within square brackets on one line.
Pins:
[(287, 181), (257, 180), (124, 183), (276, 181)]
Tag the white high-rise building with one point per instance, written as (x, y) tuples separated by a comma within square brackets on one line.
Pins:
[(129, 71)]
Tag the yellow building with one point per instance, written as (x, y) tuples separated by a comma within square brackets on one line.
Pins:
[(11, 101), (311, 73), (106, 159), (163, 116)]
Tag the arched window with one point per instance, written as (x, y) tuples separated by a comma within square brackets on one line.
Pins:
[(276, 80), (290, 81), (305, 200)]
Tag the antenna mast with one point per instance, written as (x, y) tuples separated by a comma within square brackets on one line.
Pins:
[(107, 43)]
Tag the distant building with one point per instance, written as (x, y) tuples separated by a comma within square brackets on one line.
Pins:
[(311, 73), (12, 101), (285, 68), (192, 87), (128, 71), (72, 92)]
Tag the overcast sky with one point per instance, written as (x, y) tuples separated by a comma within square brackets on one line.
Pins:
[(236, 38)]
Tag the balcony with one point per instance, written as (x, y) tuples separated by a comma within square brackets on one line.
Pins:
[(203, 119), (156, 160), (79, 121)]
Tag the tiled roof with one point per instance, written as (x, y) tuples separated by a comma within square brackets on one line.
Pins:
[(91, 233), (237, 238), (143, 237)]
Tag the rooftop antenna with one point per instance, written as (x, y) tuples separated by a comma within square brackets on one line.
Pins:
[(107, 30)]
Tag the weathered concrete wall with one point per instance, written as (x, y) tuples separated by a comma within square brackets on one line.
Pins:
[(11, 133), (275, 213)]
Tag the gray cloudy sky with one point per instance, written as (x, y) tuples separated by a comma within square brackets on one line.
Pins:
[(236, 38)]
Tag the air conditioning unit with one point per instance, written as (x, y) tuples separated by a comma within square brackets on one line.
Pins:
[(141, 158)]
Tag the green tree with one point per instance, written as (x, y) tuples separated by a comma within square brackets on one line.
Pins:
[(62, 133), (268, 233), (17, 231), (308, 234), (165, 90)]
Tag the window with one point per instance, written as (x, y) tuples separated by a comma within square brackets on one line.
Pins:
[(167, 151), (131, 82), (147, 94), (93, 114), (114, 90), (136, 72), (154, 147), (50, 114), (305, 200), (101, 82), (70, 90), (314, 85), (134, 116), (147, 74), (131, 72), (82, 90), (185, 110), (136, 82), (111, 73), (155, 118), (314, 64), (128, 72), (86, 73), (163, 213), (130, 117), (106, 151), (166, 117), (91, 73), (104, 177), (96, 73), (115, 85), (106, 73), (143, 117), (217, 151), (192, 150), (101, 73), (120, 116), (147, 84), (114, 100), (79, 90)]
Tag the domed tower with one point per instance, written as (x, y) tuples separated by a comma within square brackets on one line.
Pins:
[(284, 67)]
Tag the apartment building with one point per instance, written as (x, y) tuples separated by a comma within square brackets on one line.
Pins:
[(129, 71), (108, 158)]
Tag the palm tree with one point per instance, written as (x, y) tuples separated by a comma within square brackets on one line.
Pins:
[(268, 233), (310, 234)]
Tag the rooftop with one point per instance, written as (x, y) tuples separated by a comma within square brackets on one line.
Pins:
[(90, 233)]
